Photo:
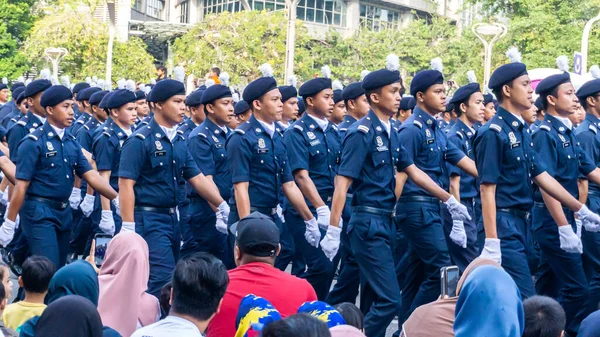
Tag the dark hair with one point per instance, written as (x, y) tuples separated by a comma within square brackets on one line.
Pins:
[(351, 314), (2, 292), (299, 325), (163, 68), (373, 91), (164, 299), (216, 70), (36, 274), (544, 317), (554, 94), (457, 106), (498, 91), (199, 283)]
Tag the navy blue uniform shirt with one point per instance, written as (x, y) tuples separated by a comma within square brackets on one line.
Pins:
[(589, 140), (81, 120), (462, 137), (24, 126), (106, 149), (344, 125), (85, 135)]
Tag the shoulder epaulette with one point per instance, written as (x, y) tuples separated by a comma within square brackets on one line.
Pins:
[(544, 127), (72, 136), (343, 129), (180, 131), (86, 127), (22, 123), (334, 127), (32, 136), (13, 120), (363, 128), (106, 134), (417, 123), (239, 131), (80, 121), (201, 134), (593, 129), (140, 136), (496, 127), (296, 126), (460, 135)]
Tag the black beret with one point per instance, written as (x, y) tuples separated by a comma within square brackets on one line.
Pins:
[(36, 87), (240, 107), (408, 103), (257, 88), (214, 92), (538, 103), (287, 92), (97, 97), (16, 86), (425, 79), (150, 85), (506, 73), (120, 97), (548, 84), (314, 86), (3, 86), (79, 86), (165, 89), (301, 106), (85, 94), (380, 78), (449, 107), (487, 99), (463, 93), (20, 98), (140, 94), (54, 95), (589, 88), (352, 91), (195, 98), (104, 101), (18, 91)]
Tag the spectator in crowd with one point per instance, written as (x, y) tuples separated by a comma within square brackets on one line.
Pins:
[(123, 279), (254, 314), (323, 312), (352, 315), (161, 73), (4, 331), (346, 331), (70, 316), (36, 275), (199, 283), (300, 325), (257, 246), (544, 317), (590, 327), (5, 277), (489, 305), (214, 74)]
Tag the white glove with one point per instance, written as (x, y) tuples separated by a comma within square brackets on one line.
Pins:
[(457, 210), (323, 214), (491, 250), (117, 205), (331, 243), (585, 215), (579, 224), (280, 213), (75, 198), (458, 234), (224, 210), (569, 241), (7, 232), (87, 206), (107, 223), (312, 233), (128, 227), (4, 199), (17, 220), (221, 223)]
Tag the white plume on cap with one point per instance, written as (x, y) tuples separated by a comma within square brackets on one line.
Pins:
[(471, 76), (153, 81), (179, 74), (4, 80), (54, 80), (266, 70), (21, 79), (364, 74), (514, 55), (562, 62), (88, 80), (45, 74), (224, 78), (121, 83), (27, 81), (64, 80), (146, 89), (130, 85), (392, 62), (326, 71), (72, 86), (101, 84), (595, 71), (337, 85), (95, 79), (209, 83), (236, 97), (293, 81), (487, 90), (437, 64)]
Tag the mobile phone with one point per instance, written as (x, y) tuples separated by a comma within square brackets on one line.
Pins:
[(449, 278), (102, 241)]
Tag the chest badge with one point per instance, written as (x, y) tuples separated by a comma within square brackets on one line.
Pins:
[(379, 141), (561, 129), (378, 129), (311, 135), (562, 138), (215, 139), (427, 133), (158, 145), (515, 124), (312, 126), (512, 138), (49, 146), (261, 143), (35, 125)]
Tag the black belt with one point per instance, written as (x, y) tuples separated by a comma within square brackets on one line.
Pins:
[(516, 212), (542, 205), (52, 203), (163, 210), (373, 210), (418, 198), (594, 193), (264, 210), (197, 200), (467, 200)]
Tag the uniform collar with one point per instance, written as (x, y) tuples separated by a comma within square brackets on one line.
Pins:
[(156, 131), (377, 124), (214, 128), (511, 120), (51, 131), (35, 118), (280, 126), (556, 123), (190, 123), (121, 134), (537, 122), (466, 130), (323, 123), (426, 118), (592, 119), (311, 123), (349, 120), (258, 127)]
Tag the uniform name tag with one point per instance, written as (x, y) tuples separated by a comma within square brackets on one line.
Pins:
[(382, 148), (566, 144), (263, 151), (315, 142), (50, 154), (160, 153), (515, 145), (429, 141)]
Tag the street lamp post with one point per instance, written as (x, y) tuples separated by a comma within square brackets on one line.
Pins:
[(483, 30), (584, 43), (54, 55), (290, 42)]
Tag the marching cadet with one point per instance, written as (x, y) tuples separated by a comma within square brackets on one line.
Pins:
[(21, 103), (418, 213), (348, 281), (539, 115), (589, 139), (490, 107), (301, 107), (206, 143), (558, 148), (78, 106), (289, 98), (141, 107), (9, 107), (46, 161), (258, 161), (13, 117), (470, 110), (313, 150), (339, 106), (506, 160), (371, 156), (407, 104), (86, 114), (242, 112), (154, 163)]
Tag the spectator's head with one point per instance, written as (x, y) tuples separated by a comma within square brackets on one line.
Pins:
[(77, 278), (161, 72), (544, 317), (590, 327), (73, 316), (6, 281), (352, 315), (300, 325), (346, 331), (199, 284), (215, 71), (36, 275), (3, 297), (165, 299), (257, 240)]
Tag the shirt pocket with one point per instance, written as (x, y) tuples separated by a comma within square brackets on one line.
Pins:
[(381, 163)]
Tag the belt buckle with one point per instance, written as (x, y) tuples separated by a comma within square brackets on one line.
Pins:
[(64, 205), (273, 211), (171, 210)]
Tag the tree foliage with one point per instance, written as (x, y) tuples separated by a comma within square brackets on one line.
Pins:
[(16, 19)]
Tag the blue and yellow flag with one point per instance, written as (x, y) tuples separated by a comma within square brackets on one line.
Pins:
[(323, 312), (254, 314)]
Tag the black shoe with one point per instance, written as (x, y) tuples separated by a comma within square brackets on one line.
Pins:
[(8, 258)]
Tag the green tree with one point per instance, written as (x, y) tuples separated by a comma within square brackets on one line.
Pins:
[(16, 20)]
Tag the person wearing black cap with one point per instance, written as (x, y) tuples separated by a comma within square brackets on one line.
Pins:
[(3, 93), (197, 114), (371, 156), (530, 116), (539, 115), (290, 104), (9, 107), (154, 164), (357, 106), (490, 108), (407, 104), (86, 113), (339, 106), (589, 139), (13, 117), (46, 161), (559, 149), (242, 112), (504, 155), (21, 104), (314, 147), (141, 106), (206, 143)]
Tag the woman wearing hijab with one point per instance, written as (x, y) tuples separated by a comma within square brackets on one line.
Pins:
[(70, 316), (489, 305), (124, 280), (590, 327)]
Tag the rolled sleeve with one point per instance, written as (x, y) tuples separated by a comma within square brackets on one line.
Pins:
[(190, 169), (104, 151), (15, 135), (297, 152), (453, 153), (354, 154), (199, 147), (133, 156), (488, 156), (27, 164), (239, 154), (410, 138), (589, 146), (404, 160), (545, 149), (83, 166), (453, 170)]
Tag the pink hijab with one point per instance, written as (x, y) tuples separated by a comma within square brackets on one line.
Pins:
[(123, 282)]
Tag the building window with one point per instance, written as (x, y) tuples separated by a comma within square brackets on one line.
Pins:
[(139, 6), (218, 6), (377, 18), (184, 12), (154, 8), (327, 12)]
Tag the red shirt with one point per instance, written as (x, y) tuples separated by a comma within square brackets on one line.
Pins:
[(286, 292)]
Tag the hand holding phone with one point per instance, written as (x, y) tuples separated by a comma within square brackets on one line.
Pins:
[(449, 280)]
